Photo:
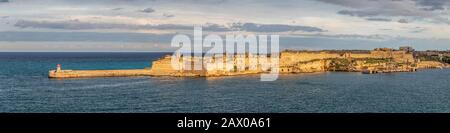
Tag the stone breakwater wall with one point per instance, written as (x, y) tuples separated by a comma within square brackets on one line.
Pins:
[(97, 73)]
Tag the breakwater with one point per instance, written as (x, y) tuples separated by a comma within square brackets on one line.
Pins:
[(97, 73)]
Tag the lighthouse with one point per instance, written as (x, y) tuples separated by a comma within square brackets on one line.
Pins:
[(58, 67)]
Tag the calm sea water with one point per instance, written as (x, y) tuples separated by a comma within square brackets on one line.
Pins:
[(24, 87)]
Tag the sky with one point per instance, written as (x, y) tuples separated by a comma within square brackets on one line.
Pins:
[(149, 25)]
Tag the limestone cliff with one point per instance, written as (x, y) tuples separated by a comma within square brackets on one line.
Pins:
[(382, 59)]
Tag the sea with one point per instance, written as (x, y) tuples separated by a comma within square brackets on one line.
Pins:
[(25, 87)]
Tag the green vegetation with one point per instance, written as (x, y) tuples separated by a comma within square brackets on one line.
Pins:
[(428, 58), (446, 60), (340, 64)]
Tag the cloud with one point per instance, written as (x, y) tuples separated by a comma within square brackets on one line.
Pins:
[(358, 13), (252, 27), (168, 15), (348, 36), (348, 3), (418, 9), (432, 5), (418, 30), (147, 10), (78, 25), (4, 1), (379, 19), (116, 9), (404, 21), (83, 37), (393, 12), (215, 27)]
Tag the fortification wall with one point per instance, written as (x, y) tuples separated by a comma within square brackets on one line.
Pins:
[(431, 64), (291, 58), (163, 67), (402, 56), (313, 66), (358, 56), (289, 62), (397, 56)]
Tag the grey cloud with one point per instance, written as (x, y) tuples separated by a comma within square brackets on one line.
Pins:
[(359, 4), (147, 10), (358, 13), (386, 12), (116, 9), (252, 27), (433, 4), (84, 37), (404, 21), (78, 25), (379, 19), (215, 27), (215, 1), (348, 3), (111, 3), (166, 27), (208, 2), (168, 15), (418, 30), (351, 36), (132, 3), (4, 1), (417, 9)]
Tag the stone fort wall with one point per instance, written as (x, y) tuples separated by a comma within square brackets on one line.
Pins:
[(289, 59)]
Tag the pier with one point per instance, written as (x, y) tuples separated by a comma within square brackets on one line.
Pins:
[(59, 73), (98, 73)]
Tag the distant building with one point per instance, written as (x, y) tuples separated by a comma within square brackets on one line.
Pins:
[(383, 49), (407, 49)]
